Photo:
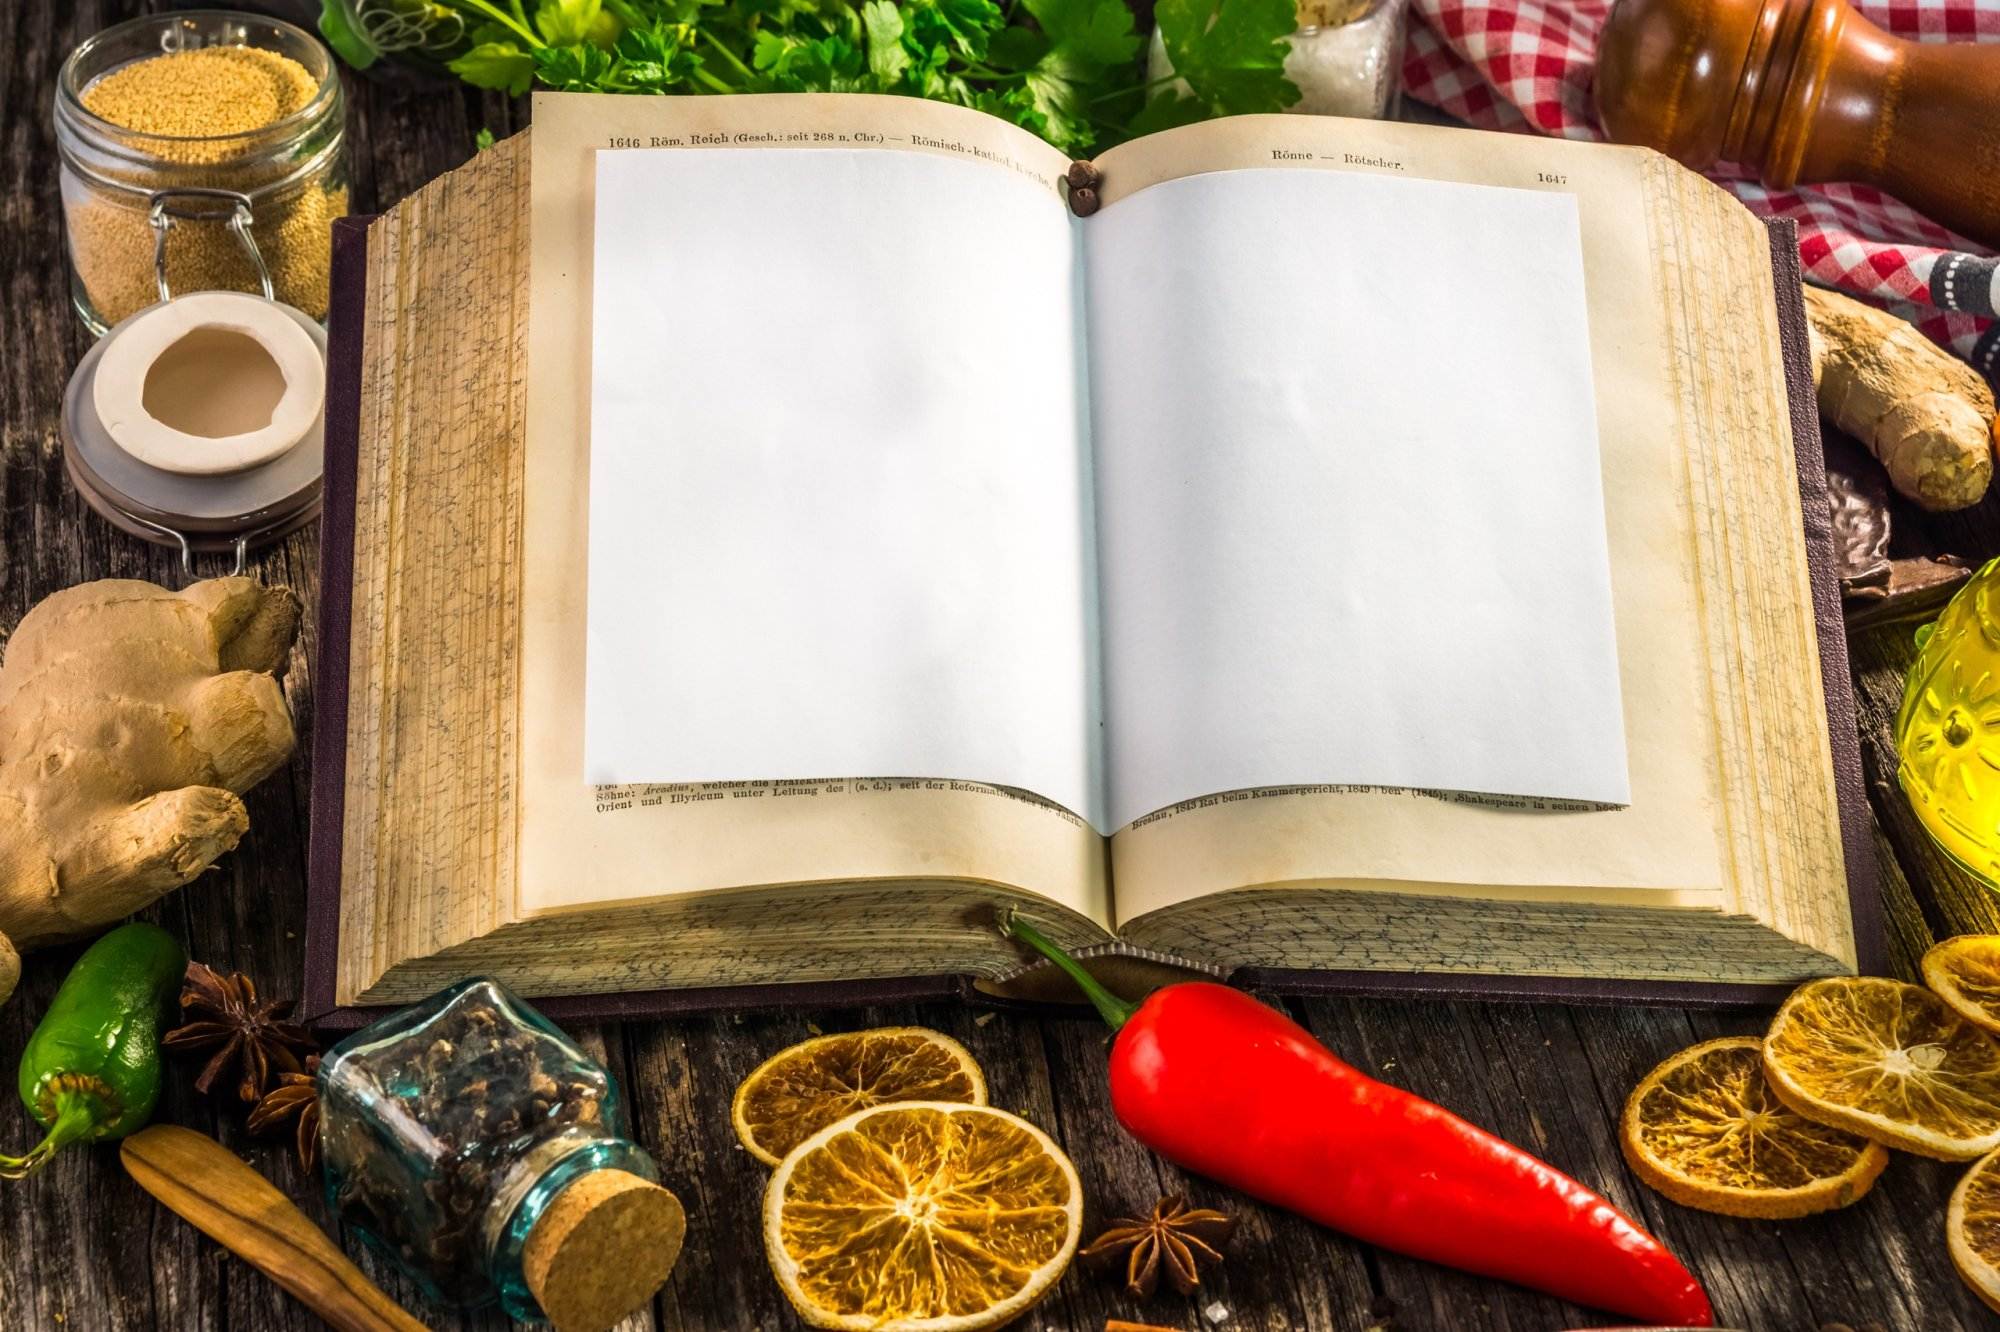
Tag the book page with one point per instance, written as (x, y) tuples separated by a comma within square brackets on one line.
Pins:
[(1348, 490), (580, 844), (1670, 838), (837, 473)]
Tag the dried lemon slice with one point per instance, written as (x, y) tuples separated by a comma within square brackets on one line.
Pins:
[(1704, 1129), (799, 1091), (921, 1217), (1888, 1061), (1972, 1229), (1965, 973)]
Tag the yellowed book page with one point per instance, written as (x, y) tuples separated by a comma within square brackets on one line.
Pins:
[(1667, 839), (581, 845)]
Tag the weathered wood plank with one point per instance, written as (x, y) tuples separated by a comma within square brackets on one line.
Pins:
[(81, 1247)]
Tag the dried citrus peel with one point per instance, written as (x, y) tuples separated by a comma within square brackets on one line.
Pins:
[(1705, 1130), (1889, 1061), (921, 1217), (1965, 973), (1972, 1229), (799, 1091)]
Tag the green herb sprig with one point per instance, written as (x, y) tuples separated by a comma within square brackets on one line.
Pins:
[(1070, 71)]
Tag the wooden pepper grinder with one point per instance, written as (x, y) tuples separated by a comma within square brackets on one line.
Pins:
[(1806, 91)]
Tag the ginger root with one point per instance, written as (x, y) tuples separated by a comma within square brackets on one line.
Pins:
[(131, 718), (1926, 415)]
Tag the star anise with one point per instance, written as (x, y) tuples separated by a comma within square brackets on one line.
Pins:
[(295, 1097), (225, 1016), (1176, 1237)]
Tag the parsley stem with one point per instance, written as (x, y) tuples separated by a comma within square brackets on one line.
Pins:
[(726, 54), (506, 20), (1141, 89), (714, 84)]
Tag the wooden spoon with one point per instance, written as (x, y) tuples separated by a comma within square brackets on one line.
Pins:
[(239, 1209)]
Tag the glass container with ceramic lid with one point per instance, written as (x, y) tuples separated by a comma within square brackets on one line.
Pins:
[(200, 150)]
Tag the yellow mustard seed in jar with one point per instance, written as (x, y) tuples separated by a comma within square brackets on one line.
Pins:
[(179, 126), (202, 94)]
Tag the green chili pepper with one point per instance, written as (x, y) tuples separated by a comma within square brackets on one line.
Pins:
[(91, 1071)]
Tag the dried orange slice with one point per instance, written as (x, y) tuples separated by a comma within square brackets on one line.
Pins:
[(799, 1091), (1888, 1061), (1704, 1129), (1972, 1229), (926, 1216), (1965, 973)]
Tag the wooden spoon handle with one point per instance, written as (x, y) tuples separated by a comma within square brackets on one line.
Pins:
[(239, 1209)]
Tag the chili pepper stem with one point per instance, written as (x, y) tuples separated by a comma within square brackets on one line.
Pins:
[(1115, 1011), (77, 1116)]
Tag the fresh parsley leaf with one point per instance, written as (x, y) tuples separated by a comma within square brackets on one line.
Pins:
[(500, 65), (1092, 50), (1166, 110), (1060, 108), (1068, 70), (1017, 48), (825, 64), (1231, 52), (573, 22), (1089, 33), (581, 68), (482, 140), (886, 57), (965, 26), (654, 58)]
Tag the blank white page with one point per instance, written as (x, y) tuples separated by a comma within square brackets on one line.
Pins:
[(1350, 512), (837, 507)]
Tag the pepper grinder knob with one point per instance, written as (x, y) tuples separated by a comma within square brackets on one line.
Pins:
[(1808, 91)]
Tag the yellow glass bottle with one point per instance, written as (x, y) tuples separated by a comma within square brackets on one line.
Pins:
[(1948, 729)]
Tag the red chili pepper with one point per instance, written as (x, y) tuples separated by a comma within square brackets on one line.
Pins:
[(1231, 1088)]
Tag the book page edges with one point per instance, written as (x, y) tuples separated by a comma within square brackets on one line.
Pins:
[(428, 837), (1759, 629), (781, 934), (1412, 928)]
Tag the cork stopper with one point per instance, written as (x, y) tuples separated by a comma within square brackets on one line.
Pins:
[(605, 1244)]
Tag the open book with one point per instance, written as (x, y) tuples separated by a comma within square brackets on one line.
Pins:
[(1351, 547)]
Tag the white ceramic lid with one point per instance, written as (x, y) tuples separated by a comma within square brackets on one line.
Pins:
[(119, 391)]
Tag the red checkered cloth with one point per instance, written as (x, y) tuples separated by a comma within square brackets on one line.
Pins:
[(1527, 64)]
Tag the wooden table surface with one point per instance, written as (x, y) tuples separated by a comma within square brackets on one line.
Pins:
[(82, 1248)]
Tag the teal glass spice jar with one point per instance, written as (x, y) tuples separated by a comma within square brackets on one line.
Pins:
[(490, 1157)]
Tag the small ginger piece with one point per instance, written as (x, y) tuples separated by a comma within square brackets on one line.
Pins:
[(10, 969), (1926, 415), (131, 719)]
